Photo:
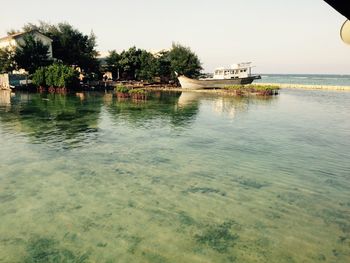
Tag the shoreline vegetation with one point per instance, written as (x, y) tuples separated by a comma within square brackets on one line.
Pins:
[(252, 88), (76, 65), (140, 93)]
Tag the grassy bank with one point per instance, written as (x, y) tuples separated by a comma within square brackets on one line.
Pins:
[(305, 86), (253, 89)]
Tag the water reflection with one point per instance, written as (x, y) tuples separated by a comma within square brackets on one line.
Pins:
[(52, 118), (158, 106), (72, 118), (223, 105), (135, 186), (5, 99)]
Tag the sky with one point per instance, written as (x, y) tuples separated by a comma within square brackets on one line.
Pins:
[(278, 36)]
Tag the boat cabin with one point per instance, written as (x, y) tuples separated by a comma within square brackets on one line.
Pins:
[(236, 71)]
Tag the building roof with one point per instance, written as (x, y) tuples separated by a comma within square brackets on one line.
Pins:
[(20, 34)]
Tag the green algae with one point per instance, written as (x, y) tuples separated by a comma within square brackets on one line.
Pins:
[(339, 217), (251, 183), (7, 197), (205, 190), (134, 242), (218, 237), (154, 257), (185, 219), (101, 244), (46, 250)]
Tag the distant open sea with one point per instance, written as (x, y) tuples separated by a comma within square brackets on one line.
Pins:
[(332, 80)]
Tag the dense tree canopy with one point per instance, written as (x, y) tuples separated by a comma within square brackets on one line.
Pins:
[(184, 61), (164, 66), (69, 45), (56, 75), (148, 66), (6, 60), (72, 47), (130, 62), (138, 64), (113, 64), (32, 54)]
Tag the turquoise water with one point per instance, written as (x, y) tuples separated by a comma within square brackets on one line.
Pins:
[(185, 177), (306, 79)]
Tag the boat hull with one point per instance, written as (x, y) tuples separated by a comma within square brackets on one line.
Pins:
[(188, 83)]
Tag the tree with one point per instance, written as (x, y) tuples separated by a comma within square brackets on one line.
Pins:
[(32, 54), (113, 63), (12, 32), (39, 77), (6, 60), (148, 66), (164, 66), (69, 45), (130, 63), (184, 61), (56, 75)]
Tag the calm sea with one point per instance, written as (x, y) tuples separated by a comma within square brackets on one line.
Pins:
[(332, 80), (181, 177)]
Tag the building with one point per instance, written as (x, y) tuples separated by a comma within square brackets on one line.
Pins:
[(14, 40)]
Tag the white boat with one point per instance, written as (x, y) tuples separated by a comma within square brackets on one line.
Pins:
[(237, 74)]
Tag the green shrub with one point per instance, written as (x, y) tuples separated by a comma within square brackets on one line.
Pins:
[(56, 75), (122, 89), (137, 91), (253, 88), (39, 77)]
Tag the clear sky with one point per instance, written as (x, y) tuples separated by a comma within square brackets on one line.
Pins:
[(279, 36)]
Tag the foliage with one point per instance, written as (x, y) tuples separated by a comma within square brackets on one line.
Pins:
[(39, 77), (130, 63), (148, 66), (164, 66), (31, 54), (13, 31), (6, 60), (56, 75), (69, 45), (133, 64), (72, 47), (184, 61), (113, 62), (253, 88), (138, 64), (137, 91), (122, 89)]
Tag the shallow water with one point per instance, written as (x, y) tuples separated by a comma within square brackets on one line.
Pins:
[(178, 178), (307, 79)]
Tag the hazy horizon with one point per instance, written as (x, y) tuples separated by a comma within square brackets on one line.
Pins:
[(278, 37)]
